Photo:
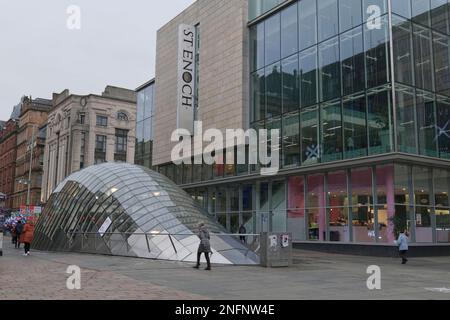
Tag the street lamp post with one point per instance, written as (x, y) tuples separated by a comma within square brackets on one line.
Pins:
[(27, 182), (30, 170)]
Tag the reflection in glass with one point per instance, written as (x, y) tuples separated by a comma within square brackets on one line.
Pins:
[(330, 84), (426, 123), (355, 126), (289, 31), (379, 116), (403, 56), (290, 84), (349, 14), (441, 49), (308, 77), (443, 126), (406, 123), (421, 11), (377, 53), (273, 90), (311, 149), (291, 140), (352, 61), (331, 124), (328, 19), (422, 55), (272, 39), (259, 95), (307, 11)]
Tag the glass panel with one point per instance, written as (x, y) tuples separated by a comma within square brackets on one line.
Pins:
[(259, 95), (441, 48), (426, 123), (289, 31), (442, 189), (273, 90), (290, 84), (421, 11), (140, 106), (422, 57), (296, 205), (349, 14), (406, 126), (377, 54), (272, 39), (308, 77), (329, 70), (423, 211), (402, 199), (310, 135), (439, 16), (355, 126), (279, 220), (402, 8), (352, 61), (443, 126), (338, 204), (362, 205), (331, 124), (257, 46), (368, 8), (291, 140), (386, 202), (401, 32), (316, 208), (328, 19), (307, 10), (379, 121)]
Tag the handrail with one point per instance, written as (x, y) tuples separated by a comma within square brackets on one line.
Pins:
[(154, 234), (167, 234)]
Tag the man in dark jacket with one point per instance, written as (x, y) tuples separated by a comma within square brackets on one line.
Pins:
[(242, 231), (204, 247), (19, 230)]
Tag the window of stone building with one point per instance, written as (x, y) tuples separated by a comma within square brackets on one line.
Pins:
[(122, 116), (102, 121)]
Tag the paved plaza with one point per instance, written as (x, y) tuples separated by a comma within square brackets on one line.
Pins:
[(313, 276)]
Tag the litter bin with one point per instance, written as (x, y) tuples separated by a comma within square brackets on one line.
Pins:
[(276, 249), (1, 243)]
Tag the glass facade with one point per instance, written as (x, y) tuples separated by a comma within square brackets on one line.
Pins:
[(330, 62), (128, 210), (323, 70), (354, 205), (144, 125)]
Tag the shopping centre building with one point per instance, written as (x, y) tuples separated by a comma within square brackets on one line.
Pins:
[(360, 91)]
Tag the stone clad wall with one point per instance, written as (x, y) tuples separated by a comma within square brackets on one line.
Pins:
[(223, 93)]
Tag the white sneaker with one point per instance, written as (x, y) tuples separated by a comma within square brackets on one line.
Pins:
[(24, 254)]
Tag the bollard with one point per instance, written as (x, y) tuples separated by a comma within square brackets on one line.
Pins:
[(276, 249)]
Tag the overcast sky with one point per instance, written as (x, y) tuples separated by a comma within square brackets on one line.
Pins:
[(39, 55)]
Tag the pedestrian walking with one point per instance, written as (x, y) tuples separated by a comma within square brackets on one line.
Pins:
[(242, 231), (402, 244), (27, 236), (12, 230), (204, 247), (19, 230)]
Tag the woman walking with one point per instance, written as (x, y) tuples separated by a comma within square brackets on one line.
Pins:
[(403, 247), (27, 236), (204, 247)]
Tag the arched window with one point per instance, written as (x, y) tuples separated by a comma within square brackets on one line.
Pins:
[(122, 116)]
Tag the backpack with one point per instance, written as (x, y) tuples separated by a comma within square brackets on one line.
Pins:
[(19, 229)]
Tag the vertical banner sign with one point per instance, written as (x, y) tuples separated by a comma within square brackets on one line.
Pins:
[(186, 77)]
